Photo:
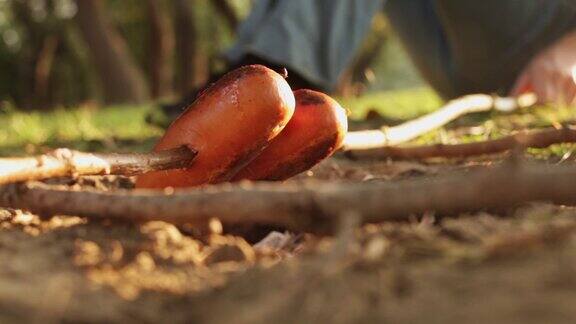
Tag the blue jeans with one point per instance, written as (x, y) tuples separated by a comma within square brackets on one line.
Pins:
[(469, 46), (459, 46)]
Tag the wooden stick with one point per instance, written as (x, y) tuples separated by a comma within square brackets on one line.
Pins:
[(524, 139), (65, 162), (314, 208), (388, 136)]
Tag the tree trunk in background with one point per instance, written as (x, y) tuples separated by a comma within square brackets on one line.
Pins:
[(192, 63), (43, 68), (121, 78), (228, 13), (43, 79), (161, 49), (34, 38)]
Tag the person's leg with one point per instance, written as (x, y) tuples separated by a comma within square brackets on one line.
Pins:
[(491, 41), (417, 24), (315, 39), (463, 47)]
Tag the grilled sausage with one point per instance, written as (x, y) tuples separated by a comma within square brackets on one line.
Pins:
[(229, 125), (315, 132)]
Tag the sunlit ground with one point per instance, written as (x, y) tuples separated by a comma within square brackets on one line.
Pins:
[(82, 128), (124, 128), (90, 128)]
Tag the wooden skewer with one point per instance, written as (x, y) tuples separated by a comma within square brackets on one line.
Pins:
[(65, 162)]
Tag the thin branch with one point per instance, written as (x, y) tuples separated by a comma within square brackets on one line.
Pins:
[(388, 136), (65, 162), (314, 208), (524, 139)]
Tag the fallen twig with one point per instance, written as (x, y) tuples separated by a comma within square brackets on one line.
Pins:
[(524, 139), (313, 208), (65, 162), (388, 136)]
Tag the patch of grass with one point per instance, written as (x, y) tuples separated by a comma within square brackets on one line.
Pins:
[(91, 129), (24, 132), (123, 128), (397, 104)]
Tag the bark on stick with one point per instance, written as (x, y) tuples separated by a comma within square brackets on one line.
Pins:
[(65, 162), (524, 139), (314, 208)]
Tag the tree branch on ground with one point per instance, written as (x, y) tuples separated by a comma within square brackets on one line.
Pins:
[(388, 136), (523, 139), (65, 162), (313, 208)]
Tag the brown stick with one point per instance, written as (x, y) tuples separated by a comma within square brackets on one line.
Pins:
[(388, 136), (312, 208), (524, 139), (65, 162)]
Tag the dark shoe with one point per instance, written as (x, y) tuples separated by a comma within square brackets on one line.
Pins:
[(168, 112)]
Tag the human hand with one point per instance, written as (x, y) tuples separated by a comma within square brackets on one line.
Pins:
[(551, 75)]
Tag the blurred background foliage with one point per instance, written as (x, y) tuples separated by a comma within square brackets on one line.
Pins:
[(88, 74), (69, 53)]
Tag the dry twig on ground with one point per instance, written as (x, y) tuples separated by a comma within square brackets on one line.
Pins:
[(388, 136), (313, 208), (65, 162), (524, 139)]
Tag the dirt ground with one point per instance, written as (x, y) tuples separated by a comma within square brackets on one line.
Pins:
[(516, 266)]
